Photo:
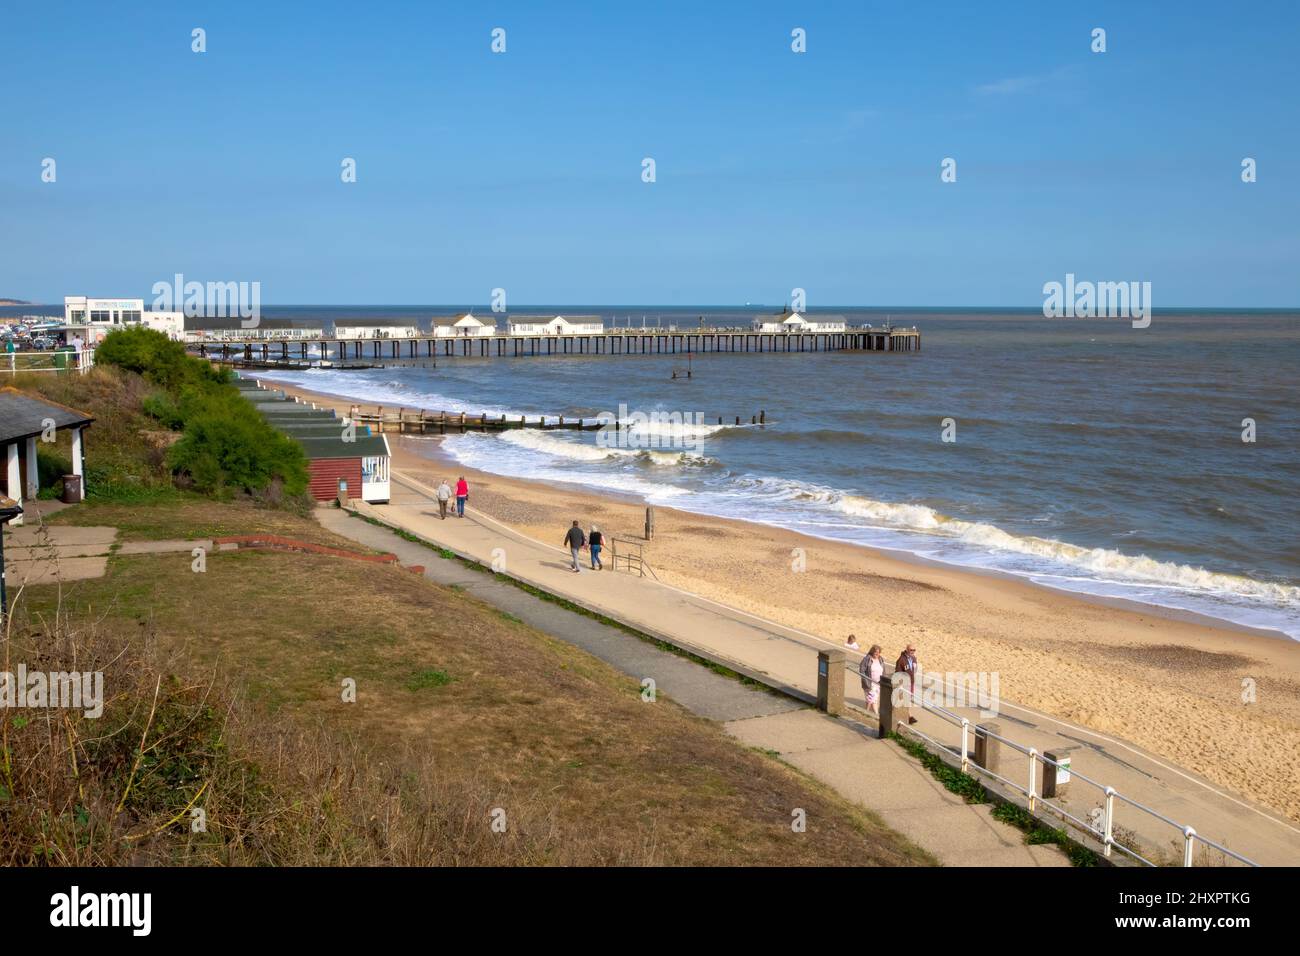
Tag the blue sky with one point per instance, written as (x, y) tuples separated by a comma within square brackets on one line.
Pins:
[(775, 170)]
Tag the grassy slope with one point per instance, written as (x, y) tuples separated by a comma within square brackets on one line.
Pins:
[(555, 737)]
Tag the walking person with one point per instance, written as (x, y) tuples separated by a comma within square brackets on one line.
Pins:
[(575, 539), (870, 670), (906, 664), (462, 496), (444, 496), (597, 541), (852, 643)]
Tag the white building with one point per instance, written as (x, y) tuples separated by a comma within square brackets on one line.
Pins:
[(376, 331), (794, 322), (100, 316), (462, 326), (272, 333), (170, 324), (80, 310), (560, 325)]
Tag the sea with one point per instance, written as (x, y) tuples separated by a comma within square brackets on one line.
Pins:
[(1157, 465)]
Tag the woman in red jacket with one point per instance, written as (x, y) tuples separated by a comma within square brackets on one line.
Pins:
[(462, 495)]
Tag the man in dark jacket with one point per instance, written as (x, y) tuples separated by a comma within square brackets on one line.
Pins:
[(906, 664), (575, 539)]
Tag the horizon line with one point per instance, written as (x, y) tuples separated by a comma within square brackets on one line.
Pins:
[(693, 305)]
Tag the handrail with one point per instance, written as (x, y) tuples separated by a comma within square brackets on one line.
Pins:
[(1103, 834)]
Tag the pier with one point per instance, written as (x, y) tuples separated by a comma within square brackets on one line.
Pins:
[(360, 353)]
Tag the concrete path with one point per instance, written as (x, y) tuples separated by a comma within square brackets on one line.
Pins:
[(695, 687), (904, 794), (786, 658), (42, 554), (872, 773), (38, 553)]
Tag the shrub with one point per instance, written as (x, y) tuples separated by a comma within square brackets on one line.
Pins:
[(156, 357), (226, 446), (125, 451), (164, 408)]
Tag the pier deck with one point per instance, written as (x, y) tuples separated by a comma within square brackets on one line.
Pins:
[(619, 342)]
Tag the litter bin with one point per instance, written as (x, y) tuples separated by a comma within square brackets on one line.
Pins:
[(61, 359), (71, 489)]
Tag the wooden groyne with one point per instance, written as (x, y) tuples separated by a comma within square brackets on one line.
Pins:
[(421, 422), (279, 353)]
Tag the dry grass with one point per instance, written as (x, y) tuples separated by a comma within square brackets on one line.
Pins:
[(412, 771), (121, 790), (193, 517)]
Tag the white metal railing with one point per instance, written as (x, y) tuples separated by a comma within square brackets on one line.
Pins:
[(78, 360), (1104, 833)]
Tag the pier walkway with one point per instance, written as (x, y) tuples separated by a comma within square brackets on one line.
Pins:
[(838, 751), (622, 342)]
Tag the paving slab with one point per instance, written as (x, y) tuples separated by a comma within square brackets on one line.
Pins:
[(44, 554), (29, 535), (49, 572)]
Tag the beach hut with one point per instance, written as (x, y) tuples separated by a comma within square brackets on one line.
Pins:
[(465, 325), (363, 462), (333, 451), (23, 420)]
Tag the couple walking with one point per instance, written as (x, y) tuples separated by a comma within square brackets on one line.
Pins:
[(444, 496), (575, 540), (872, 669)]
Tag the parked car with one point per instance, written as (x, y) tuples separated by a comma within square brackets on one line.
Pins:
[(43, 343)]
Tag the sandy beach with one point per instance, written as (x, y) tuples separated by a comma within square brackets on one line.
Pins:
[(1167, 682)]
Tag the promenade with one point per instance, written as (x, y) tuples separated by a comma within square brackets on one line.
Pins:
[(842, 753)]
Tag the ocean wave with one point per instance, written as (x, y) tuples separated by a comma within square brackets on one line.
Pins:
[(1105, 563), (499, 455), (670, 429), (547, 444)]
